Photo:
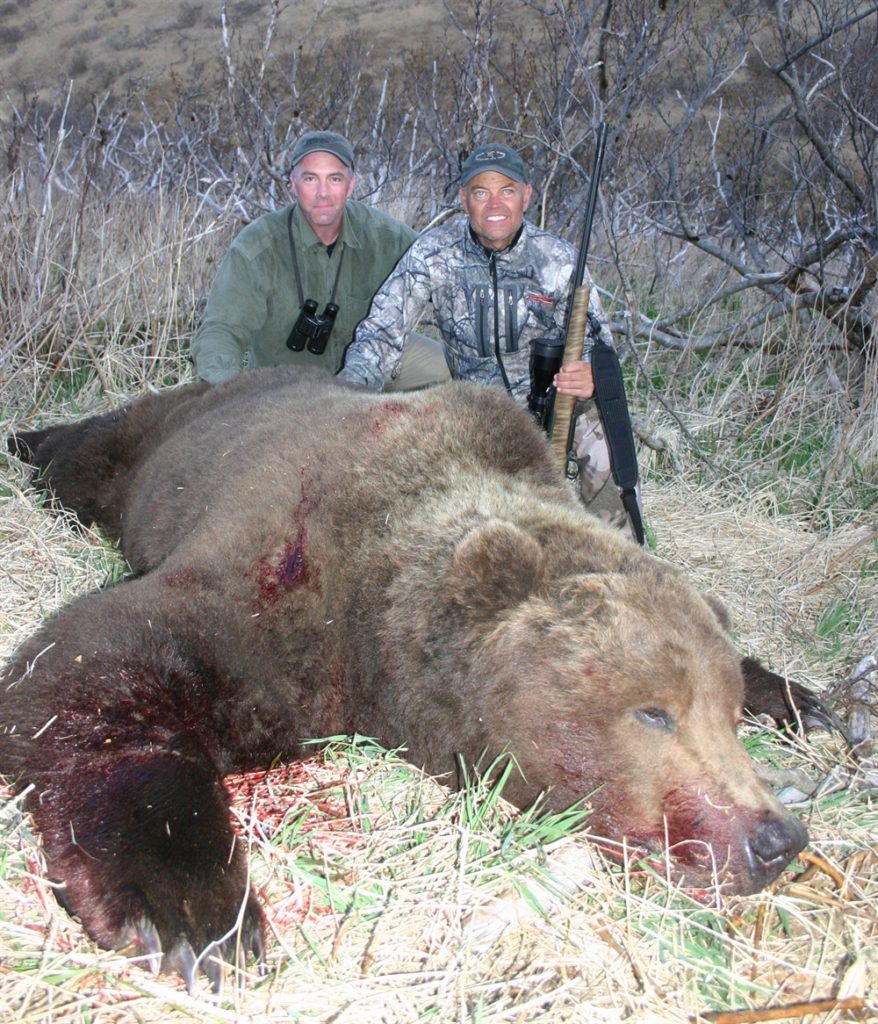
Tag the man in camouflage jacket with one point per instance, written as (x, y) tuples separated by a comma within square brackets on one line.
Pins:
[(494, 283)]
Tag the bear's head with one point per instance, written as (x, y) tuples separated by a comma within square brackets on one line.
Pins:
[(620, 687)]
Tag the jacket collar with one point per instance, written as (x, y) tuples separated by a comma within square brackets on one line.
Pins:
[(475, 245)]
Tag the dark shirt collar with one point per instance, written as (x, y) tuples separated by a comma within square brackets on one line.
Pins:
[(349, 234), (494, 252)]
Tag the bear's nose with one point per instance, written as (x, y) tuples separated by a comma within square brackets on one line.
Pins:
[(774, 843)]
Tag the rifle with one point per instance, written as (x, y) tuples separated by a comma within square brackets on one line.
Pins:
[(608, 383)]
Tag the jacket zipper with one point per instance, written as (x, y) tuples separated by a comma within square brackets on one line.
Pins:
[(492, 259)]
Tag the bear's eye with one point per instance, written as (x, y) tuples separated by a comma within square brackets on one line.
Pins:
[(657, 718)]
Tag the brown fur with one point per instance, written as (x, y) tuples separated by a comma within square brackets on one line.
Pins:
[(315, 560)]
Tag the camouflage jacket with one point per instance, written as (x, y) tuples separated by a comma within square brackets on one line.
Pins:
[(254, 302), (489, 306)]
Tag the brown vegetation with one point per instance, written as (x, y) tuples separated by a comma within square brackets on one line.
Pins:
[(741, 153)]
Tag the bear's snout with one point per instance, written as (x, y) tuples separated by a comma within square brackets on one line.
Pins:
[(771, 847)]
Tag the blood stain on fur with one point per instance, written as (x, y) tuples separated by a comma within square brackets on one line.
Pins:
[(187, 575), (278, 576), (388, 411), (281, 576)]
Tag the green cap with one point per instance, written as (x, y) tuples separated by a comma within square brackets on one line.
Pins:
[(323, 142), (493, 157)]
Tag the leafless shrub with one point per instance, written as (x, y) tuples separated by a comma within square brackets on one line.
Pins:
[(739, 197)]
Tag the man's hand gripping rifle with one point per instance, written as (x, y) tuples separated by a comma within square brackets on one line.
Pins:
[(557, 413)]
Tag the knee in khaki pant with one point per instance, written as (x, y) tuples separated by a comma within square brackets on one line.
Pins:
[(422, 365)]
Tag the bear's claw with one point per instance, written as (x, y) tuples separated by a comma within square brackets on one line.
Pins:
[(180, 956), (148, 941), (814, 713)]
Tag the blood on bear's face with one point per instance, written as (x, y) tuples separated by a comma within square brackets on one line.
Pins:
[(643, 728)]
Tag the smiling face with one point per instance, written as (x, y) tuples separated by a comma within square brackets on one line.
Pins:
[(495, 205), (322, 184)]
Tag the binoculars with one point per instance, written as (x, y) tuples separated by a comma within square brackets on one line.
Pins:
[(545, 361), (312, 330)]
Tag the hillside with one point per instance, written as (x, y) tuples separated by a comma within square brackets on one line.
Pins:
[(122, 46)]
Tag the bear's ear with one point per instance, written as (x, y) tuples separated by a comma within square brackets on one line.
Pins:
[(720, 611), (496, 565)]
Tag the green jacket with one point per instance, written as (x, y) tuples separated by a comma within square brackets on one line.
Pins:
[(254, 302)]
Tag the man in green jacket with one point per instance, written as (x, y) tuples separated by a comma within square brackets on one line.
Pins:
[(273, 298)]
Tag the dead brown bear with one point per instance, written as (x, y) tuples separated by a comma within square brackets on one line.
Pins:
[(313, 559)]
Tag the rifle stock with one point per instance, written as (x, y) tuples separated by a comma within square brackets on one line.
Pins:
[(577, 325)]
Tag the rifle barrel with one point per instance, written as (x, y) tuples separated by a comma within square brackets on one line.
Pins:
[(600, 145)]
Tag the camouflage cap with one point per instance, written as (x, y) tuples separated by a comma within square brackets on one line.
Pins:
[(323, 142), (493, 156)]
